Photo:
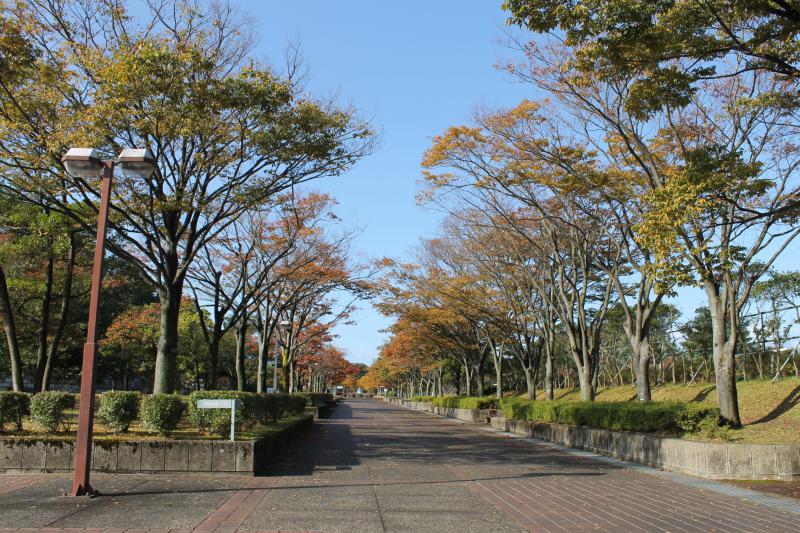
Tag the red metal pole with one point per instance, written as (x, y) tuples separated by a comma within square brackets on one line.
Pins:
[(83, 453)]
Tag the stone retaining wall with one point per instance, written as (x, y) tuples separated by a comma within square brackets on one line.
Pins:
[(467, 415), (246, 457), (712, 460)]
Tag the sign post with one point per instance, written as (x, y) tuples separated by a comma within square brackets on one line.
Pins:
[(222, 404)]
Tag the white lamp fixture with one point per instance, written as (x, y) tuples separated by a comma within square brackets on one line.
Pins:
[(137, 161), (83, 162)]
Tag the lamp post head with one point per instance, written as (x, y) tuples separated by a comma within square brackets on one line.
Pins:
[(137, 161), (285, 324), (83, 162)]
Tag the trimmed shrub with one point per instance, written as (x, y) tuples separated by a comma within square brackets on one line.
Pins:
[(420, 398), (287, 404), (465, 402), (161, 412), (119, 409), (218, 421), (316, 399), (13, 407), (253, 409), (623, 416), (48, 409)]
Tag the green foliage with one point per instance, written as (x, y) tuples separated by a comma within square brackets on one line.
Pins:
[(119, 409), (629, 37), (622, 416), (465, 402), (281, 405), (289, 423), (218, 421), (253, 409), (13, 407), (48, 409), (420, 398), (161, 412), (316, 399)]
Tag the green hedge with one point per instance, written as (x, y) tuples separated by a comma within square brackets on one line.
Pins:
[(465, 402), (119, 409), (162, 412), (13, 407), (253, 409), (623, 416), (420, 398), (48, 409), (316, 399)]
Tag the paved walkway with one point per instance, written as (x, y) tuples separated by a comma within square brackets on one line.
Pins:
[(375, 467)]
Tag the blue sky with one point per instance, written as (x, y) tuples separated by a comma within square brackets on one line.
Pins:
[(415, 68)]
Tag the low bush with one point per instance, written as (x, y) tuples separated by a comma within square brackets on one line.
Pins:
[(465, 402), (119, 409), (13, 407), (253, 409), (624, 416), (161, 412), (420, 398), (48, 409), (316, 399), (218, 421)]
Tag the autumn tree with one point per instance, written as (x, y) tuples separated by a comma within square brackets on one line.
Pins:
[(39, 256), (229, 134), (671, 45)]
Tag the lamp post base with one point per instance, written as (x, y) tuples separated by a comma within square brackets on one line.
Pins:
[(83, 490)]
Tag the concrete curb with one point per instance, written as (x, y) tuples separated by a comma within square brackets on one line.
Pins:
[(149, 456)]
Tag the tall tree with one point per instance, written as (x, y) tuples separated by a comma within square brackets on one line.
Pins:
[(229, 134)]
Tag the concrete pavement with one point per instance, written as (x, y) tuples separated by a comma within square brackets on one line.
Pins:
[(376, 467)]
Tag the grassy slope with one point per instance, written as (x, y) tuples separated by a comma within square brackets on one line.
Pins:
[(770, 412)]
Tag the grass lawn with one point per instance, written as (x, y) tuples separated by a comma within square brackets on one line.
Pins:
[(770, 412)]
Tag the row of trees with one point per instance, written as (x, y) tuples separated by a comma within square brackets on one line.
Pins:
[(662, 153), (217, 245)]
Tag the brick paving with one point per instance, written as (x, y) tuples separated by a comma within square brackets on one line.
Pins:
[(379, 467)]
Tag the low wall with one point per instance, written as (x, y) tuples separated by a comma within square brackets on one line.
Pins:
[(467, 415), (322, 411), (711, 460), (246, 457)]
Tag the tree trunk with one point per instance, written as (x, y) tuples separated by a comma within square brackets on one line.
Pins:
[(264, 338), (586, 383), (66, 299), (241, 341), (498, 375), (642, 356), (467, 379), (167, 352), (44, 321), (530, 381), (10, 329), (723, 354)]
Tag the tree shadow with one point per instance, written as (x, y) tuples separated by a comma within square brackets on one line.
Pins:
[(703, 394), (790, 401), (327, 486)]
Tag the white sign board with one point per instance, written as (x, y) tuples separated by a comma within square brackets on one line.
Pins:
[(222, 404)]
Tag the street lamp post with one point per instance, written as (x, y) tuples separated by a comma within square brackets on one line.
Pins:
[(86, 163)]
